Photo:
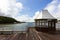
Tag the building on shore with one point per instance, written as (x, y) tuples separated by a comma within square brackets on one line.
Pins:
[(46, 21)]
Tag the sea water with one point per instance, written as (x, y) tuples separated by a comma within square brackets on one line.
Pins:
[(19, 26)]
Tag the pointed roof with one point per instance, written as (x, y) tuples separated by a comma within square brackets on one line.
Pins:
[(45, 15)]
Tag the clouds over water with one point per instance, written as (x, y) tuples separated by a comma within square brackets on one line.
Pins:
[(10, 8), (54, 8)]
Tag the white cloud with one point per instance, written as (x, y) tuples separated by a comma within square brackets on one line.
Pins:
[(24, 18), (54, 8), (36, 15), (27, 18), (19, 5), (10, 8)]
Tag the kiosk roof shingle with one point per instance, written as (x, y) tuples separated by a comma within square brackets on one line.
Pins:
[(45, 15)]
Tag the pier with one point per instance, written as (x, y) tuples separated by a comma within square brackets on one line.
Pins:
[(32, 34), (44, 29), (51, 35)]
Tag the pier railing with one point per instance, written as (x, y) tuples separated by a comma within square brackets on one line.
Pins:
[(33, 34)]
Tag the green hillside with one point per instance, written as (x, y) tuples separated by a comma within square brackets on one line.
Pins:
[(7, 20)]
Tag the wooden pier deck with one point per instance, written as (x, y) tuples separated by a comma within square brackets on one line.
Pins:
[(50, 35), (32, 34), (45, 36), (35, 35), (17, 36)]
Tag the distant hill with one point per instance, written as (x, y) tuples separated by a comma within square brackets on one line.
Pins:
[(4, 19)]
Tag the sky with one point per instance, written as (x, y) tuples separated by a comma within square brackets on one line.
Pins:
[(28, 10)]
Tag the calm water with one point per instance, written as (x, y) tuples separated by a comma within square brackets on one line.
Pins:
[(16, 27), (19, 27)]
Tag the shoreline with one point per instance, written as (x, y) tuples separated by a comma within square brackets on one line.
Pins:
[(11, 23)]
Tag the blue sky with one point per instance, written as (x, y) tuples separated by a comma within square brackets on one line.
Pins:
[(31, 6), (28, 10)]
